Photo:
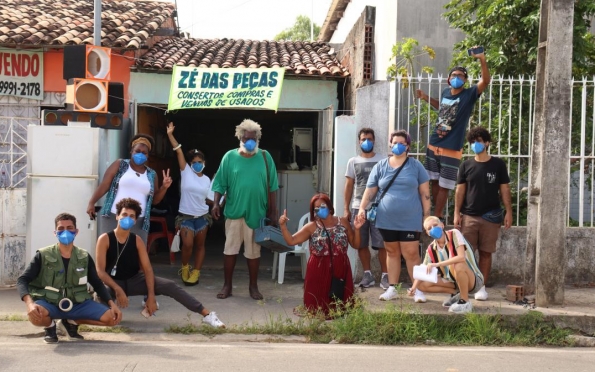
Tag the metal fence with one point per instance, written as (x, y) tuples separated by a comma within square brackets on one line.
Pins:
[(13, 151), (506, 109)]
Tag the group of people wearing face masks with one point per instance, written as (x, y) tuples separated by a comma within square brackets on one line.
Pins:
[(54, 285), (389, 200)]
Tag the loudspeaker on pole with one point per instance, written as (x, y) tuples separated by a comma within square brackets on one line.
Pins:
[(87, 62), (96, 120)]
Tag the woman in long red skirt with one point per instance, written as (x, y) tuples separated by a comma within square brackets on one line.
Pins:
[(322, 229)]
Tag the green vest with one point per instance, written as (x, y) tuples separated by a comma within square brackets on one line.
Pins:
[(52, 284)]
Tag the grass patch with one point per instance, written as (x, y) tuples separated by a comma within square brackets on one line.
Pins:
[(116, 329), (13, 318), (401, 325)]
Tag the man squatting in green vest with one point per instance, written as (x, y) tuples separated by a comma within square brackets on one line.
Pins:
[(54, 286)]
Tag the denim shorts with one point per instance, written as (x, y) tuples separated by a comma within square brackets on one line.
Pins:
[(194, 224), (88, 310)]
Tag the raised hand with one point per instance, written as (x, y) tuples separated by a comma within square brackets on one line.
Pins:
[(170, 128), (166, 179), (283, 219)]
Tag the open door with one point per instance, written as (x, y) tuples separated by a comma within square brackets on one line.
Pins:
[(325, 150)]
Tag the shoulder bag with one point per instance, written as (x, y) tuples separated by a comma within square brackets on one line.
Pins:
[(371, 214), (337, 290)]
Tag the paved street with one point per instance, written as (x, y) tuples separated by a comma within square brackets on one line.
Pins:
[(191, 355)]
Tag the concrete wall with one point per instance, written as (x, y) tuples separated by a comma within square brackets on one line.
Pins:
[(13, 226), (422, 20), (310, 94), (385, 31), (395, 20), (508, 261), (372, 112), (351, 56)]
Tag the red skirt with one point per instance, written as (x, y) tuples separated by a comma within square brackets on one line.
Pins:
[(317, 284)]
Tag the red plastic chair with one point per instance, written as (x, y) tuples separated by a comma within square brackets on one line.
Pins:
[(164, 233)]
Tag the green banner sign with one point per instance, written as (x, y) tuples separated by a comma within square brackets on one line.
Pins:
[(193, 87)]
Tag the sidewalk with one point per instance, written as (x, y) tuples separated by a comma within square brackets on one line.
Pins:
[(280, 299)]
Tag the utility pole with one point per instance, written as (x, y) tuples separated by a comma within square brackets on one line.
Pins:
[(97, 23), (312, 23), (548, 189)]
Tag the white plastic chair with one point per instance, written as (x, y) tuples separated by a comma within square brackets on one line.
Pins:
[(301, 249)]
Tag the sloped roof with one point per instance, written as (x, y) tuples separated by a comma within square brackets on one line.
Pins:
[(333, 17), (124, 24), (298, 57)]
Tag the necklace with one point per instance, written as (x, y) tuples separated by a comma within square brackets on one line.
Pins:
[(114, 269)]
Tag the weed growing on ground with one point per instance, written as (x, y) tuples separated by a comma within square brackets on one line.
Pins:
[(13, 318), (115, 329), (401, 324)]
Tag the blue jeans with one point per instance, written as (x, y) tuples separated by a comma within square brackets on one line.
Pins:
[(88, 310), (195, 224)]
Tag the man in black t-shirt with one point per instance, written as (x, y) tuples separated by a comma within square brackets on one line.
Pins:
[(122, 254), (482, 181)]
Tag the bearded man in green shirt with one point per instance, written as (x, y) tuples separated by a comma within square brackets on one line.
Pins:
[(243, 176)]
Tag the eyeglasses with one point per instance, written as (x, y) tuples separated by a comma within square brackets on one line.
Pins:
[(316, 209)]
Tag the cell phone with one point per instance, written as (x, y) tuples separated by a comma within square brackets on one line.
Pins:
[(473, 51)]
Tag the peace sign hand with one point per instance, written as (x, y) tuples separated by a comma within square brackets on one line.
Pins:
[(166, 180), (283, 219)]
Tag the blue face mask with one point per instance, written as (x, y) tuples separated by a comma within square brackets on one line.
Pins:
[(139, 158), (126, 223), (198, 167), (456, 82), (250, 145), (322, 213), (367, 146), (65, 237), (436, 232), (399, 148), (477, 147)]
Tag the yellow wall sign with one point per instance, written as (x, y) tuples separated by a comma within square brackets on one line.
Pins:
[(193, 87)]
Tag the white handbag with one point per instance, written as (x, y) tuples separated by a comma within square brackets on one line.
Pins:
[(175, 244)]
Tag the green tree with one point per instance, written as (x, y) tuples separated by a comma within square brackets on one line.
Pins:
[(509, 30), (299, 31), (406, 55)]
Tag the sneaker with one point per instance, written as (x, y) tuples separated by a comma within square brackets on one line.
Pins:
[(184, 272), (453, 299), (213, 320), (419, 297), (384, 281), (367, 280), (69, 329), (50, 335), (389, 294), (193, 278), (144, 303), (460, 308), (482, 294)]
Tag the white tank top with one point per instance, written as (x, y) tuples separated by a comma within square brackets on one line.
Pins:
[(194, 191), (133, 185)]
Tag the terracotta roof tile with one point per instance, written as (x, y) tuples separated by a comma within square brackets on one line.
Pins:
[(126, 24), (298, 57)]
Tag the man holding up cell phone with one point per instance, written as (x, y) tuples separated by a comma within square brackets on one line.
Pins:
[(445, 149), (123, 254)]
